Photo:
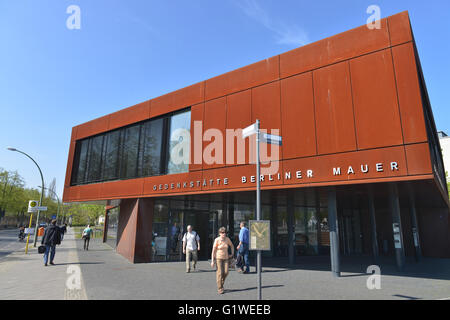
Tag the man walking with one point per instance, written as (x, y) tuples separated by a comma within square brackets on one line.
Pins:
[(243, 247), (51, 238), (191, 246), (87, 237)]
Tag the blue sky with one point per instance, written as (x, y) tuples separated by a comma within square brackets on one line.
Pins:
[(126, 52)]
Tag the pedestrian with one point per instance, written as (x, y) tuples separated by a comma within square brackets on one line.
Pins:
[(191, 246), (175, 231), (221, 258), (243, 247), (63, 230), (51, 238), (87, 236)]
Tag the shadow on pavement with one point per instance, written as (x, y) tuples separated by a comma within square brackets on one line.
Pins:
[(253, 288), (63, 264), (430, 268)]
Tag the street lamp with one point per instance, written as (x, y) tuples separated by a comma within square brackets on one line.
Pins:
[(42, 191), (59, 202)]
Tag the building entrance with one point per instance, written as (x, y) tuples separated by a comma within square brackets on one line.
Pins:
[(204, 222), (351, 235)]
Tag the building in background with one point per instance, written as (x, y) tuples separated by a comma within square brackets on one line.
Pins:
[(360, 161)]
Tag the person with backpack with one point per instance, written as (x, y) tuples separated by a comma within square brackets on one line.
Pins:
[(191, 246), (51, 238), (87, 237)]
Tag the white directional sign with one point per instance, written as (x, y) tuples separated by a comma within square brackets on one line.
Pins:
[(271, 139), (250, 130), (41, 208)]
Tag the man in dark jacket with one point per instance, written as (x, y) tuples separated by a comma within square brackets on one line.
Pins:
[(52, 237)]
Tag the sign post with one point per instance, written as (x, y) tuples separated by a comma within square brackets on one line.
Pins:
[(270, 139), (32, 204)]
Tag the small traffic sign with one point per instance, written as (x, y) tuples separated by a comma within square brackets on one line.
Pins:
[(32, 205), (271, 139)]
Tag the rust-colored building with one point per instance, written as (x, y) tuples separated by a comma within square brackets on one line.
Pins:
[(360, 156)]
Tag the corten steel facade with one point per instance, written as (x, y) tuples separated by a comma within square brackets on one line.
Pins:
[(355, 101)]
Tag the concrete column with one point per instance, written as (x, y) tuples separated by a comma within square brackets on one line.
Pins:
[(291, 230), (396, 225), (334, 233), (414, 224), (373, 225), (105, 226)]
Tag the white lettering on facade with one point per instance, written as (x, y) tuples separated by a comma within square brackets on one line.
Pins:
[(379, 167)]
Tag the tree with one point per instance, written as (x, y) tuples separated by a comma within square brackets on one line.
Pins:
[(11, 186), (83, 214)]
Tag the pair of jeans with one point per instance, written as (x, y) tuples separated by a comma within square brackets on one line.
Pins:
[(221, 272), (191, 255), (51, 249), (244, 251)]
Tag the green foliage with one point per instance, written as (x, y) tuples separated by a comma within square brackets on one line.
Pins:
[(83, 214), (14, 199)]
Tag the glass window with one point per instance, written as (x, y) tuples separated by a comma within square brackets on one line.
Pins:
[(153, 147), (151, 144), (95, 159), (130, 152), (281, 229), (323, 230), (179, 142), (110, 170), (305, 222), (242, 212), (160, 218), (113, 220), (79, 165)]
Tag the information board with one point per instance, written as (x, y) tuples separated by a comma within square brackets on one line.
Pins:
[(260, 235)]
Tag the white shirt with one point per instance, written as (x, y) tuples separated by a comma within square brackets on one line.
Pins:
[(191, 239)]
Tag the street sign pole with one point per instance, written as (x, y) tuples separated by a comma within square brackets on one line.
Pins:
[(28, 236), (269, 139), (258, 205)]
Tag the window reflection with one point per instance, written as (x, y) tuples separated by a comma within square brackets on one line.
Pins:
[(152, 147), (179, 143)]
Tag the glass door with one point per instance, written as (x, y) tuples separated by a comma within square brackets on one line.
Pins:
[(199, 220), (175, 235)]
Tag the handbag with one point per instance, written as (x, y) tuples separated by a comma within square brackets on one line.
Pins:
[(232, 263), (41, 249)]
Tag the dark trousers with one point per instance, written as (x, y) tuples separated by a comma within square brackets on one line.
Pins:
[(86, 243)]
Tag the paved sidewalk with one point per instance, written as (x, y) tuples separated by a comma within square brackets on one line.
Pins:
[(23, 276), (107, 275)]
